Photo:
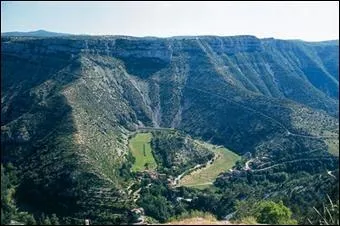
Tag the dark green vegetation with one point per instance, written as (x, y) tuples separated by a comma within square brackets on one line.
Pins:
[(69, 104), (265, 212), (9, 212), (175, 153), (328, 215)]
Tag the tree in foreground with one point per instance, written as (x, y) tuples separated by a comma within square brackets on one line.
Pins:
[(265, 212), (269, 212)]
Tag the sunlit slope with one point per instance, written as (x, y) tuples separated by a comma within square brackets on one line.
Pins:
[(69, 104)]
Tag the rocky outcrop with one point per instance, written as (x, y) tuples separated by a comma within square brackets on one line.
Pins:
[(75, 99)]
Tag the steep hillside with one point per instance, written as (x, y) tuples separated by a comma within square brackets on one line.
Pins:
[(69, 105)]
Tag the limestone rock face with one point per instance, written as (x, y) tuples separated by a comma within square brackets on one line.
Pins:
[(69, 103)]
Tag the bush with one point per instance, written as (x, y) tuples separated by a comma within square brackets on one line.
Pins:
[(157, 207), (266, 212), (269, 212)]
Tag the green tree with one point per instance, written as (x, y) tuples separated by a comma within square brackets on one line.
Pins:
[(146, 165), (45, 220), (269, 212), (8, 178), (157, 207), (244, 209), (266, 212), (54, 219), (5, 219), (30, 220), (179, 208)]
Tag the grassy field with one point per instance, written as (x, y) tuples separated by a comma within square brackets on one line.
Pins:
[(333, 146), (140, 148), (203, 177)]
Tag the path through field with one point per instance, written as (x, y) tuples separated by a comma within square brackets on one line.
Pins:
[(223, 161)]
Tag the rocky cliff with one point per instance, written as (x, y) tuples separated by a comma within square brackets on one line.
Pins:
[(69, 103)]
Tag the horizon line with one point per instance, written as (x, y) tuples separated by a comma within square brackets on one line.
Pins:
[(65, 34)]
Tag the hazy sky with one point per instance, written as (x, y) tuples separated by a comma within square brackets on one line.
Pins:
[(310, 21)]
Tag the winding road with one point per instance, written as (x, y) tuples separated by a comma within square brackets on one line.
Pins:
[(191, 170), (177, 179), (278, 164)]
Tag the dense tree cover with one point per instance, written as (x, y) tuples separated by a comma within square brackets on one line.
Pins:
[(155, 201), (161, 201), (175, 152), (8, 181), (9, 210), (299, 187), (125, 170), (157, 207), (300, 191), (57, 176)]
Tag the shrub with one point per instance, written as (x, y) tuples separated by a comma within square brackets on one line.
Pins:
[(266, 212), (269, 212)]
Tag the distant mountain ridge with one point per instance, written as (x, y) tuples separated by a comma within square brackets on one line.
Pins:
[(45, 33), (38, 33)]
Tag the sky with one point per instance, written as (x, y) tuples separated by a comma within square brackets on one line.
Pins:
[(309, 21)]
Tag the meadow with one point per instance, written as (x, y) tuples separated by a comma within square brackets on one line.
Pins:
[(141, 149)]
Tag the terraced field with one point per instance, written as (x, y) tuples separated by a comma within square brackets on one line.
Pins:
[(140, 148), (203, 177)]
